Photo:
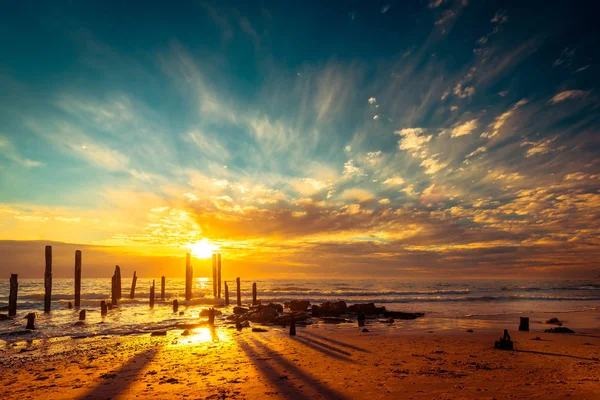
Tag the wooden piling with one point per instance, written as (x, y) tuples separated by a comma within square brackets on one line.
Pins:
[(103, 308), (175, 306), (254, 302), (524, 324), (77, 278), (162, 288), (226, 294), (189, 276), (219, 275), (211, 317), (292, 325), (118, 282), (12, 297), (113, 289), (30, 321), (48, 280), (239, 293), (82, 315), (133, 282), (214, 271), (152, 295)]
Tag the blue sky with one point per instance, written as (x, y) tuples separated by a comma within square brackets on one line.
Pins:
[(421, 136)]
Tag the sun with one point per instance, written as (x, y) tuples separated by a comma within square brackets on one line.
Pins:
[(203, 249)]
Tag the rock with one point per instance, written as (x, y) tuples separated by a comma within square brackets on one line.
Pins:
[(298, 305), (285, 318), (205, 312), (185, 333), (504, 343), (365, 330), (79, 323), (559, 329), (332, 309), (366, 308), (276, 307), (314, 311), (470, 330), (402, 315), (335, 320), (181, 313), (264, 315), (259, 330), (554, 321), (159, 333), (240, 310), (4, 317)]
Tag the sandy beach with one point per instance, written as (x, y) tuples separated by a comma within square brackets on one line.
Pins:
[(321, 362)]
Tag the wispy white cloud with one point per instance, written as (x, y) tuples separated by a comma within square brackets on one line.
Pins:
[(8, 150), (568, 95), (502, 118), (465, 128)]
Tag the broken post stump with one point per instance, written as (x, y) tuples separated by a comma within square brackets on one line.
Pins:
[(113, 288), (254, 294), (118, 282), (162, 288), (82, 315), (12, 297), (292, 325), (77, 278), (238, 324), (30, 321), (226, 294), (504, 343), (152, 295), (239, 293), (214, 275), (48, 280), (133, 282), (69, 305), (524, 324), (211, 317), (361, 320), (175, 306), (189, 276), (219, 275), (103, 308)]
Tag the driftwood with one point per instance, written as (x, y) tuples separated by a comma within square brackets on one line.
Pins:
[(48, 280), (77, 278), (12, 297)]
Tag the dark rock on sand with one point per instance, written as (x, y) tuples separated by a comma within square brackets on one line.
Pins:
[(266, 314), (276, 307), (79, 323), (366, 308), (365, 330), (4, 317), (205, 312), (285, 318), (332, 309), (259, 330), (335, 320), (402, 315), (559, 329), (240, 310), (298, 305), (159, 333), (554, 321)]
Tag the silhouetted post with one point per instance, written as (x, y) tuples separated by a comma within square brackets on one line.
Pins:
[(226, 294), (48, 280), (118, 282), (82, 315), (12, 297), (162, 288), (77, 278), (30, 321), (189, 275), (238, 324), (211, 317), (524, 324), (219, 275), (239, 293), (254, 294), (214, 270), (103, 308), (69, 305), (152, 295), (292, 325), (175, 306), (133, 282), (361, 319), (113, 288)]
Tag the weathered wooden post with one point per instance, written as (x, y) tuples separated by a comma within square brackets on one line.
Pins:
[(77, 278), (133, 282), (189, 275), (239, 293), (524, 324), (30, 321), (219, 275), (211, 317), (162, 288), (292, 325), (254, 302), (82, 315), (12, 297), (69, 305), (48, 280), (226, 294), (152, 295), (118, 282), (103, 308), (175, 306), (214, 271), (113, 289)]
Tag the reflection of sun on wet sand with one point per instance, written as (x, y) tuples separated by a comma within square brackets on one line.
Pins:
[(320, 362)]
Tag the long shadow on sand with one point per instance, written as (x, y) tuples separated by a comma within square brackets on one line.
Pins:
[(336, 342), (557, 355), (116, 382), (323, 348), (284, 387), (321, 388)]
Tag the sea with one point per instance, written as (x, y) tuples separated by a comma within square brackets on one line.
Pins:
[(447, 304)]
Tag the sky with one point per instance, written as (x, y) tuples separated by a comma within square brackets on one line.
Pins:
[(343, 139)]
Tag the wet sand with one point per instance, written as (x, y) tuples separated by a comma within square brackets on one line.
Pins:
[(322, 362)]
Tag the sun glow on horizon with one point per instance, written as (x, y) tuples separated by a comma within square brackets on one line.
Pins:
[(203, 249)]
